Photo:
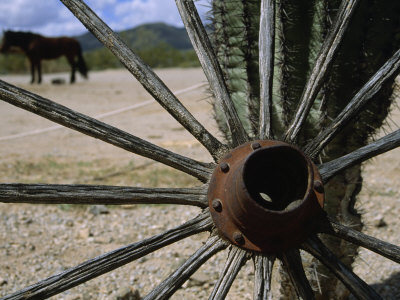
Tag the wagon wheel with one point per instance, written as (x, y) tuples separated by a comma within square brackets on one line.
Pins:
[(261, 198)]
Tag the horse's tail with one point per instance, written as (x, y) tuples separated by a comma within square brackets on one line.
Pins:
[(82, 68)]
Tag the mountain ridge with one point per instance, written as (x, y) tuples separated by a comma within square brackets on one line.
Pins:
[(143, 36)]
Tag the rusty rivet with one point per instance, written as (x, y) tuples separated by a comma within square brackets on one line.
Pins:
[(318, 186), (224, 167), (217, 205), (238, 238), (255, 146)]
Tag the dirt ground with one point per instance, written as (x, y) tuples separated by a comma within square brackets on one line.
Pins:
[(39, 241)]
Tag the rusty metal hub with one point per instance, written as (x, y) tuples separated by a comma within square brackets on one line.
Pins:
[(265, 196)]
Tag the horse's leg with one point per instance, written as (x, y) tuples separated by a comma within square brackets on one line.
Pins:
[(32, 71), (71, 61), (39, 68)]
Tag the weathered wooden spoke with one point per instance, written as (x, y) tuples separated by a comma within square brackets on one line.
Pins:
[(389, 142), (169, 286), (236, 259), (355, 284), (100, 194), (266, 46), (322, 64), (92, 127), (144, 74), (110, 261), (211, 68), (353, 236), (262, 274), (293, 265), (374, 84)]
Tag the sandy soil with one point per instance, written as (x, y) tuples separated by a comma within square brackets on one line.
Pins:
[(36, 242), (104, 92)]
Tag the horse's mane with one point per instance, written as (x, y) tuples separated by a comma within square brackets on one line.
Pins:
[(22, 34), (20, 39)]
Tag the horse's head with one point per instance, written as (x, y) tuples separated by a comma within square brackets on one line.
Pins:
[(12, 40), (6, 44)]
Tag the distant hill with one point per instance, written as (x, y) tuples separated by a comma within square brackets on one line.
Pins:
[(144, 37)]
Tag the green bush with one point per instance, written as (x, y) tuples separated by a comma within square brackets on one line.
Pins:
[(13, 63), (160, 56)]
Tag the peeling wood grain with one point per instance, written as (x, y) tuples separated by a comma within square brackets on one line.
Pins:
[(266, 46), (100, 194), (263, 265)]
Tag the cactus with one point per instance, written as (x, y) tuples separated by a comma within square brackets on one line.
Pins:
[(235, 38), (300, 29)]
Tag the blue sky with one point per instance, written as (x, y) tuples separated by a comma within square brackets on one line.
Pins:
[(52, 18)]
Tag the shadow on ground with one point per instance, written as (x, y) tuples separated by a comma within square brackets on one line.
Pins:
[(388, 289)]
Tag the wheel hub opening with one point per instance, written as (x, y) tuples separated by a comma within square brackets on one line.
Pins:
[(262, 197), (276, 177)]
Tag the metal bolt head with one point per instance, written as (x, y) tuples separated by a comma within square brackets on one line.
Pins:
[(255, 145), (238, 237), (224, 167), (217, 205), (318, 186)]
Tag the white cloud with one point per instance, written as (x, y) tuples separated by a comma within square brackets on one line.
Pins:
[(22, 13), (48, 17), (100, 4), (133, 12), (51, 17)]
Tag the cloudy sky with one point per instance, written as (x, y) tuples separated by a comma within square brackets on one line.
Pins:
[(52, 18)]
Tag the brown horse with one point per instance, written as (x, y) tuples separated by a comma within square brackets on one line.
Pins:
[(37, 47)]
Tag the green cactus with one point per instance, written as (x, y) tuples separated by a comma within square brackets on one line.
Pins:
[(300, 29), (237, 50)]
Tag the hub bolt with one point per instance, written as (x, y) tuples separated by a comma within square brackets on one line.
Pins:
[(217, 205), (318, 186), (238, 238), (224, 167), (255, 146)]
